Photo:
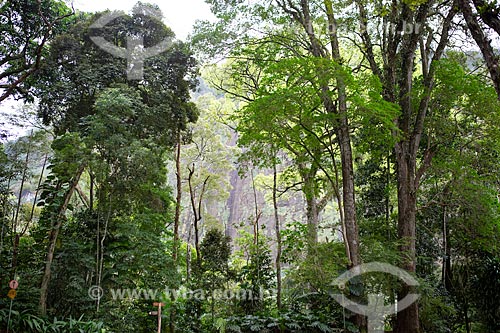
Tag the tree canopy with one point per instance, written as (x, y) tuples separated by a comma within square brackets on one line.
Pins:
[(285, 145)]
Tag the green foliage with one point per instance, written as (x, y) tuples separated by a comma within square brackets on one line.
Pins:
[(475, 282), (26, 322), (121, 133), (27, 26), (209, 148), (256, 277), (212, 275), (215, 251), (67, 84), (413, 4), (437, 309), (294, 244), (289, 322)]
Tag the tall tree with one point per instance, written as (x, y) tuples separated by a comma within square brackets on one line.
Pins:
[(127, 126), (399, 49), (57, 218), (330, 90)]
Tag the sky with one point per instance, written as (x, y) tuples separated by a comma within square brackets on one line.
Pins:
[(179, 15)]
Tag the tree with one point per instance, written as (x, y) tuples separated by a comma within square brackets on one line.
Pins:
[(206, 159), (277, 226), (462, 184), (57, 195), (214, 271), (20, 162), (68, 94), (28, 26), (256, 276), (126, 127), (397, 75), (332, 100), (489, 12)]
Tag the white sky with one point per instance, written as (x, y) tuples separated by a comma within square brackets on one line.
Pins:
[(179, 15)]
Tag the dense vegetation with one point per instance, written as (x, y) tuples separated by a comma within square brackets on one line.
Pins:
[(286, 143)]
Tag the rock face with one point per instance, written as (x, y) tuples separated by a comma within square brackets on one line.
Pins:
[(234, 203), (238, 210), (241, 206)]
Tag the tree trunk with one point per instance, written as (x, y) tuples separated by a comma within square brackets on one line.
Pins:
[(344, 140), (482, 42), (188, 254), (311, 206), (411, 125), (91, 194), (490, 13), (257, 214), (278, 238), (466, 317), (101, 259), (37, 191), (21, 188), (407, 319), (178, 198), (196, 211), (317, 49), (177, 217), (446, 277), (4, 211), (405, 152), (15, 252), (348, 191), (60, 217)]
